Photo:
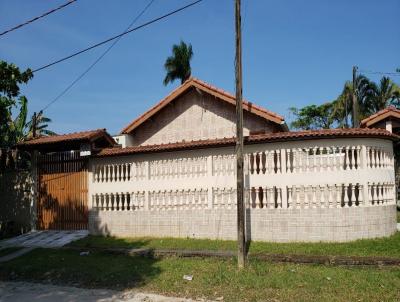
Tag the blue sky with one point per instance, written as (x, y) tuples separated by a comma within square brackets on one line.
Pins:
[(295, 52)]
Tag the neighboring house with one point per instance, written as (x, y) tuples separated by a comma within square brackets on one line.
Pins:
[(389, 119), (173, 174)]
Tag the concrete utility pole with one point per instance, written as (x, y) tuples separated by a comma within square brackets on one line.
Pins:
[(239, 141), (355, 101)]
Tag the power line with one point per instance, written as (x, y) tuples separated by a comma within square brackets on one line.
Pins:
[(37, 18), (98, 59), (380, 72), (120, 35)]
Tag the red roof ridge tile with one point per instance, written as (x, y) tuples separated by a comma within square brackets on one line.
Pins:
[(201, 82), (78, 135), (253, 139)]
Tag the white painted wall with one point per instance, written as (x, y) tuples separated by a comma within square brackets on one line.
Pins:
[(125, 140), (389, 126)]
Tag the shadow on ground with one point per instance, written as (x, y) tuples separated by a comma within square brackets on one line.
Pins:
[(27, 292), (92, 270)]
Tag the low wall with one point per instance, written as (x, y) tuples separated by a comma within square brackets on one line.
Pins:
[(338, 189), (278, 225), (15, 202)]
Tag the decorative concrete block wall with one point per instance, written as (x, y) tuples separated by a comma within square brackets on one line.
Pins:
[(314, 190)]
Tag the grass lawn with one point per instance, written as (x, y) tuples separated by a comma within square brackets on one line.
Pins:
[(212, 278), (8, 250), (385, 247)]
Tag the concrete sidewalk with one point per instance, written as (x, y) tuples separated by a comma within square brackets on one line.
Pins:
[(41, 239), (44, 239), (28, 292)]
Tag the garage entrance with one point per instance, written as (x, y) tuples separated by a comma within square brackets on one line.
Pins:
[(62, 191)]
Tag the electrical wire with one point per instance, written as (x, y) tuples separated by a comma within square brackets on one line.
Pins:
[(380, 72), (98, 59), (37, 18), (117, 36)]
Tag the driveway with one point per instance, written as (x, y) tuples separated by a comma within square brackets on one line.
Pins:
[(28, 292), (41, 239), (44, 239)]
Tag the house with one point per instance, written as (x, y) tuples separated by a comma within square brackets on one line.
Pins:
[(171, 172), (197, 111), (388, 118)]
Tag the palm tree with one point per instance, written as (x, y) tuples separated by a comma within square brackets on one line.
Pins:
[(343, 105), (41, 126), (385, 94), (177, 66), (19, 124), (14, 130)]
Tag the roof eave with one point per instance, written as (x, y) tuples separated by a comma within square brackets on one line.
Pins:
[(255, 139)]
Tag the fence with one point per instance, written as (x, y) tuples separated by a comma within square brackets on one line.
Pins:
[(16, 190), (280, 178)]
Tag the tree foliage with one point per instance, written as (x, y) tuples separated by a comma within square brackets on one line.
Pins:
[(10, 79), (384, 94), (11, 130), (343, 105), (371, 98), (14, 126), (312, 117), (177, 65), (42, 124)]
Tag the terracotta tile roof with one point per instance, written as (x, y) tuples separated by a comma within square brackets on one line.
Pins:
[(253, 139), (390, 111), (218, 93), (70, 137)]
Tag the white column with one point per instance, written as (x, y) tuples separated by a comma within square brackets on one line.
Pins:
[(146, 200), (283, 161), (210, 182), (389, 126), (364, 166), (284, 166)]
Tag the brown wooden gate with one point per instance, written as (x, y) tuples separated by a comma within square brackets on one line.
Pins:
[(62, 198)]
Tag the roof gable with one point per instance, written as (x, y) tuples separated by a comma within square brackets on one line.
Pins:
[(389, 112), (218, 93)]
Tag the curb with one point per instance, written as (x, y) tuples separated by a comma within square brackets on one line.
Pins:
[(291, 258)]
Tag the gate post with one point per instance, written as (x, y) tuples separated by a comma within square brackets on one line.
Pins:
[(34, 190)]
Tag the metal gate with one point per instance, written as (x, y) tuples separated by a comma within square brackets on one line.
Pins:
[(62, 191)]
